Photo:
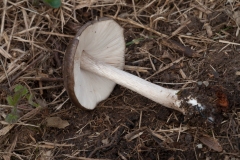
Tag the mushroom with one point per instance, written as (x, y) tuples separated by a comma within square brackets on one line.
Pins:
[(94, 61)]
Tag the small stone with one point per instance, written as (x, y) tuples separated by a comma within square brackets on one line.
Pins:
[(105, 141), (50, 71), (206, 83), (237, 73), (199, 146), (199, 83)]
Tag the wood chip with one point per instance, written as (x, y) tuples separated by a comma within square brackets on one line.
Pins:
[(56, 122)]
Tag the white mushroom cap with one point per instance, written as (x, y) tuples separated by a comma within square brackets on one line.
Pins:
[(103, 40)]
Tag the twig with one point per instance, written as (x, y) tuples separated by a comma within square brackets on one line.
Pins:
[(186, 51), (43, 79), (201, 8), (166, 67), (40, 82), (5, 73), (227, 42), (180, 28), (12, 71), (10, 148), (83, 158), (3, 16), (5, 106), (56, 34), (136, 68), (47, 145), (139, 25), (56, 57)]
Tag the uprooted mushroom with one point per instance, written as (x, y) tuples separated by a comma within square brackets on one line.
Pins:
[(94, 61)]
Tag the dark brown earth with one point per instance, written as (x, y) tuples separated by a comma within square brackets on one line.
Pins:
[(127, 125)]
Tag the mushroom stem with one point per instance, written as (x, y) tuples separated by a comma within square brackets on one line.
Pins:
[(161, 95)]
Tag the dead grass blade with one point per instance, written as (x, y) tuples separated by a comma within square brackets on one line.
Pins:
[(83, 158), (5, 53), (132, 135), (10, 149), (139, 25), (6, 129), (166, 67)]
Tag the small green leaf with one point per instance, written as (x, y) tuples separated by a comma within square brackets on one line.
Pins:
[(20, 92), (11, 118), (10, 100), (16, 98), (18, 87), (22, 89), (53, 3)]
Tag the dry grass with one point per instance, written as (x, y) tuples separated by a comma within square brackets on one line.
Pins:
[(33, 39)]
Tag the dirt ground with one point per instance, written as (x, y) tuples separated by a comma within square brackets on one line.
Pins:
[(202, 36)]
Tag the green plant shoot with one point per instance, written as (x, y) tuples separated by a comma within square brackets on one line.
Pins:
[(20, 92), (53, 3)]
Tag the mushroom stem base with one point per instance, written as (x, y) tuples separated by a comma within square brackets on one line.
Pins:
[(161, 95)]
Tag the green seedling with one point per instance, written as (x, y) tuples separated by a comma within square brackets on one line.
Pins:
[(50, 3), (53, 3), (20, 92)]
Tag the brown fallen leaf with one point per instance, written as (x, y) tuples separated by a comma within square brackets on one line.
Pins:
[(211, 143), (56, 122)]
